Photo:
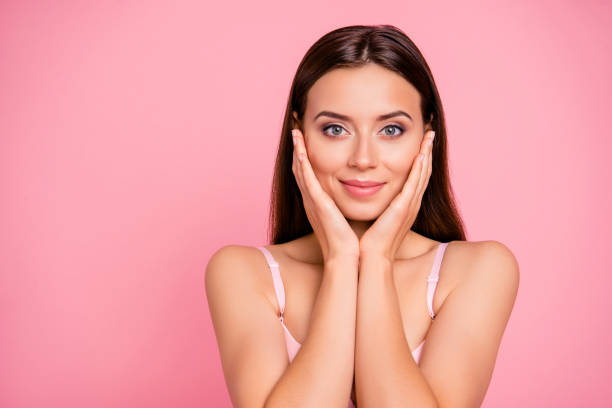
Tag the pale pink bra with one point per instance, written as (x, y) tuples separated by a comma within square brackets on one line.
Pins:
[(293, 345)]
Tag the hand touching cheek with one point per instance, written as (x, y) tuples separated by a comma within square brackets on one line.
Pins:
[(386, 234)]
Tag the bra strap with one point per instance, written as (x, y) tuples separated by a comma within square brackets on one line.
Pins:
[(432, 279), (276, 278)]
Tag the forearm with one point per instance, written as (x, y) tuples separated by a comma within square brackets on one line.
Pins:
[(385, 372), (321, 374)]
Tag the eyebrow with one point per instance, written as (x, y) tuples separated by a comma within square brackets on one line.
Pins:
[(348, 119)]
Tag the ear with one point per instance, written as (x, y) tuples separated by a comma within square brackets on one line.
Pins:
[(428, 125), (296, 120)]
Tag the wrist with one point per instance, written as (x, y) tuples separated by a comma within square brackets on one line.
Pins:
[(376, 262), (374, 257), (343, 260)]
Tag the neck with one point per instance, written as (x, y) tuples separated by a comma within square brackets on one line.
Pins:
[(413, 245), (360, 227)]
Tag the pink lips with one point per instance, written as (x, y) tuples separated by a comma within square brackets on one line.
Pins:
[(361, 188)]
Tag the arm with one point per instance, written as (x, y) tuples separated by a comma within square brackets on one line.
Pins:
[(251, 340), (457, 363), (386, 375), (321, 375)]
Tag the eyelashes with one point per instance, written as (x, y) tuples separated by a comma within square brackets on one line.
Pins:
[(391, 136)]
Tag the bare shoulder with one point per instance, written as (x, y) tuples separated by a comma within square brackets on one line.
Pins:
[(487, 267), (479, 259), (250, 340), (495, 263), (242, 265), (465, 337), (233, 254), (484, 265), (241, 269)]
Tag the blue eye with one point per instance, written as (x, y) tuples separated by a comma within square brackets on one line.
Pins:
[(331, 126), (392, 135), (401, 130)]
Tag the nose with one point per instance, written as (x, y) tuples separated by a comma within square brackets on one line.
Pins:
[(364, 154)]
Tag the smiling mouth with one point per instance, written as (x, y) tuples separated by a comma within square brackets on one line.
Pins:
[(364, 183), (362, 191)]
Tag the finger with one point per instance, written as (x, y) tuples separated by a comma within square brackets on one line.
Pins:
[(297, 169), (313, 195), (305, 187), (425, 168), (401, 204), (310, 180), (298, 159), (413, 178), (295, 162), (402, 201), (427, 174), (299, 142), (430, 164)]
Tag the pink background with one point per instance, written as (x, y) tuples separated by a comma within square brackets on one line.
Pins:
[(136, 138)]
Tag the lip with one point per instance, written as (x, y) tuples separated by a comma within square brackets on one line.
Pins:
[(361, 188), (366, 183)]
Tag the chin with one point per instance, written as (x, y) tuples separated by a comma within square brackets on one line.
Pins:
[(360, 211)]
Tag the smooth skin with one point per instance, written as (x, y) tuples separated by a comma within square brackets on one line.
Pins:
[(478, 280), (386, 234)]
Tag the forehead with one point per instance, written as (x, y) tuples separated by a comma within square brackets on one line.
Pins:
[(363, 92)]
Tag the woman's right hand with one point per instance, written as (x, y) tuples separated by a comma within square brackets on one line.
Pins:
[(335, 235)]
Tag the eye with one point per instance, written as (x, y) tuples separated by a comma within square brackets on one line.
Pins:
[(332, 127), (336, 127), (401, 130)]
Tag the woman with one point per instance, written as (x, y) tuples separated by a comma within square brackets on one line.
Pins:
[(387, 304)]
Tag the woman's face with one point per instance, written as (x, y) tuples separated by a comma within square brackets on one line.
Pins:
[(360, 146)]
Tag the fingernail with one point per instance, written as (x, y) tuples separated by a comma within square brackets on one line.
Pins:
[(433, 134)]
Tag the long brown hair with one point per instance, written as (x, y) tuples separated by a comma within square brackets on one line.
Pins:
[(355, 46)]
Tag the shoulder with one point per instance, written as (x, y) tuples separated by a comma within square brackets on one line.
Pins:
[(485, 257), (485, 266), (491, 267), (237, 266), (495, 262), (230, 256), (237, 270), (251, 343), (465, 337)]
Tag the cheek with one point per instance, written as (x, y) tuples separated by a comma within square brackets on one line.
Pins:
[(400, 152), (320, 167), (399, 163), (323, 173), (327, 166), (325, 159)]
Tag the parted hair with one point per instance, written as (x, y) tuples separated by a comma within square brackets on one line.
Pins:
[(349, 47)]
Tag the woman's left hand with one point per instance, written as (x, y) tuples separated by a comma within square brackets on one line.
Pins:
[(385, 235)]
